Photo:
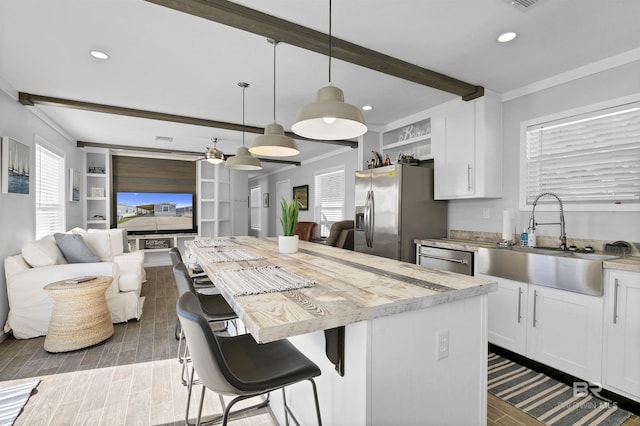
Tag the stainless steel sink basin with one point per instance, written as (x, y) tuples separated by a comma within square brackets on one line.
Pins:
[(577, 272)]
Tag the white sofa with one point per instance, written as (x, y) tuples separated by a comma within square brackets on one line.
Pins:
[(42, 262)]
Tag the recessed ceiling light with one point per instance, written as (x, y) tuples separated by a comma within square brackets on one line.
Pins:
[(99, 55), (503, 38), (367, 108)]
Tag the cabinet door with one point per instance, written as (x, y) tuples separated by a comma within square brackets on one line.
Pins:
[(508, 315), (622, 333), (453, 139), (566, 331)]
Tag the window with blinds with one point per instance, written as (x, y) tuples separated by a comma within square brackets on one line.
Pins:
[(329, 199), (590, 159), (49, 192), (255, 197)]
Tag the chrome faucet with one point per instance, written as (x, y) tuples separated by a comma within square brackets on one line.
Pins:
[(533, 223)]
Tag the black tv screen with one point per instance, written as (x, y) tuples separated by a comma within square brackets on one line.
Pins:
[(155, 212)]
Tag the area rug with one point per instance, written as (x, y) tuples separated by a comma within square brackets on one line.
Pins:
[(13, 399), (549, 401)]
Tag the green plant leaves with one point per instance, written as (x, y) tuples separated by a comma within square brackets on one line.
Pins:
[(289, 216)]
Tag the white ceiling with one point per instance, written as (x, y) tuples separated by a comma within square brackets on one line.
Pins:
[(167, 61)]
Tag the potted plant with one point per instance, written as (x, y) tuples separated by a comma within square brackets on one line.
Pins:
[(288, 242)]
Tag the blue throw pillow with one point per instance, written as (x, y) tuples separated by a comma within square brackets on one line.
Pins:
[(74, 249)]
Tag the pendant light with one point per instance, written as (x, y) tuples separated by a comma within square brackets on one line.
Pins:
[(329, 117), (214, 155), (243, 160), (274, 143)]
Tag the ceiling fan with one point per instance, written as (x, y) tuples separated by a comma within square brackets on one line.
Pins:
[(214, 155)]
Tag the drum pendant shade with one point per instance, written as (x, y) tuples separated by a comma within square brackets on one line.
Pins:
[(329, 117), (243, 160), (274, 143)]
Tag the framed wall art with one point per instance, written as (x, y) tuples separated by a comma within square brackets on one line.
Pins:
[(265, 199), (16, 162), (301, 194)]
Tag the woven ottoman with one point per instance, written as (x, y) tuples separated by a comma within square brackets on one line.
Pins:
[(80, 316)]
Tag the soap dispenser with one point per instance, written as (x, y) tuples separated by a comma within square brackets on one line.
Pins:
[(524, 240), (531, 237)]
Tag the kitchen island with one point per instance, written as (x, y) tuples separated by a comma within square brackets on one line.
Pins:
[(415, 342)]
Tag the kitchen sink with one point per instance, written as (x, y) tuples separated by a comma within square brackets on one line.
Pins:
[(566, 270), (551, 251)]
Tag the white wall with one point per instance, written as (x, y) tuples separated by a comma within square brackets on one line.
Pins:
[(606, 85), (17, 211), (304, 175)]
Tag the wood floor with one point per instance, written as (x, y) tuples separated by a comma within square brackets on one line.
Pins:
[(133, 378)]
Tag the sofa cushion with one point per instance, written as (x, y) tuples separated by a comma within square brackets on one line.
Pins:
[(99, 242), (75, 249), (42, 252)]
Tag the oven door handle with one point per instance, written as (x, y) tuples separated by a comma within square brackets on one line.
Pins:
[(446, 259)]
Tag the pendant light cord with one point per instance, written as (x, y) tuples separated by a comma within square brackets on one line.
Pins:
[(330, 46), (275, 43), (243, 88)]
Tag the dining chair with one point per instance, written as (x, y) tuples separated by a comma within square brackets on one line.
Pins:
[(305, 230), (238, 366)]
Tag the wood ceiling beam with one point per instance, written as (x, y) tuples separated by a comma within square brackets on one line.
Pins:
[(29, 99), (247, 19), (81, 144)]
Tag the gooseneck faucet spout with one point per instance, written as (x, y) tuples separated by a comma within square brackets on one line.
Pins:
[(533, 223)]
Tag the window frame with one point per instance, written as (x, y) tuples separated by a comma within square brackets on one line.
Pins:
[(317, 204), (258, 208), (566, 115), (41, 143)]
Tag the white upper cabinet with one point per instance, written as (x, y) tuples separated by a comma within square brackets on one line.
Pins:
[(466, 138)]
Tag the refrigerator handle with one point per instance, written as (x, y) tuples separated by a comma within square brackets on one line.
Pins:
[(367, 218), (372, 219)]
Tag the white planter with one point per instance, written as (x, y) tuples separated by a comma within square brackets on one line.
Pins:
[(288, 244)]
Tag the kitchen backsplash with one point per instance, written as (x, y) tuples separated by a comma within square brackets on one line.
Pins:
[(543, 241)]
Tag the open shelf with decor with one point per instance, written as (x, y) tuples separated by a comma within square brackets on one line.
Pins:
[(97, 173)]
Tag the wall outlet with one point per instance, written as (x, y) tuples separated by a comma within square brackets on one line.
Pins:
[(486, 213), (442, 344)]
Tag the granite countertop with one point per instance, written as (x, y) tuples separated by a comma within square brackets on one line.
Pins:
[(627, 263), (351, 287)]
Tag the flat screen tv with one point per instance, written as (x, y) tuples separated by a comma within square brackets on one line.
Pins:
[(155, 212)]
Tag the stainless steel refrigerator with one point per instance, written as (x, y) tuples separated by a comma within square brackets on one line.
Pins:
[(395, 205)]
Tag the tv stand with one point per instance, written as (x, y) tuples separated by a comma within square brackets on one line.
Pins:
[(157, 246)]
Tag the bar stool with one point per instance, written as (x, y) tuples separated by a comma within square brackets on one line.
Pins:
[(199, 280), (214, 307), (239, 366)]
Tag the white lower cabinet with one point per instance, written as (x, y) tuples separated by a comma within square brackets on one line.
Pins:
[(508, 315), (566, 331), (622, 333), (557, 328)]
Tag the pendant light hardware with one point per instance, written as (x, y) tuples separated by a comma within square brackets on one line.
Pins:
[(329, 117), (274, 143), (243, 160)]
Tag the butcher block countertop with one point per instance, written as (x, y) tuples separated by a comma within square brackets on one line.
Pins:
[(350, 287), (627, 263)]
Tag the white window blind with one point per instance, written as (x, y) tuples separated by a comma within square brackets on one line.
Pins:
[(587, 159), (329, 199), (49, 192), (256, 207)]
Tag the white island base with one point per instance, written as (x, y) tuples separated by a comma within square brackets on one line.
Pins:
[(392, 376)]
